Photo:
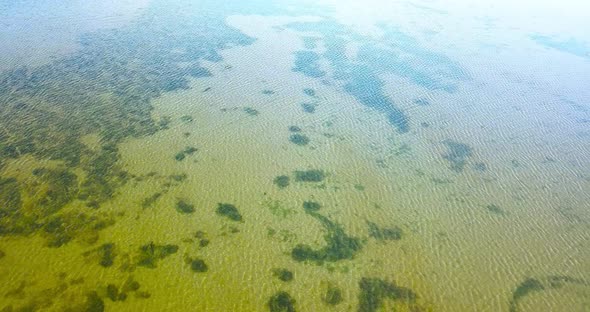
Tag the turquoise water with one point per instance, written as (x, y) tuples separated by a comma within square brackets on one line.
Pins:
[(294, 156)]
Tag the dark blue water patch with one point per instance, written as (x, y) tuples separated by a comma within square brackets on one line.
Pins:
[(309, 92), (310, 43), (457, 154), (367, 89), (307, 62), (308, 107), (430, 70), (571, 45)]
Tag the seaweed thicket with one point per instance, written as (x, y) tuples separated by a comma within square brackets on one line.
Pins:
[(151, 253), (374, 290), (46, 111), (312, 175), (339, 246), (281, 302), (228, 210)]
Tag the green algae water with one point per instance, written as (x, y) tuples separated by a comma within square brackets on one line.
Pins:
[(294, 156)]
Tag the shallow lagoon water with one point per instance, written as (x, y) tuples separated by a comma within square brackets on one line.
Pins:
[(411, 156)]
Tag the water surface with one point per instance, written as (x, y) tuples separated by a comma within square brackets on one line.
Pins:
[(332, 156)]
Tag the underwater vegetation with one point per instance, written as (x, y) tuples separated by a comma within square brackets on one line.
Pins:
[(339, 246), (107, 255), (313, 175), (281, 302), (528, 286), (230, 211), (115, 293), (299, 139), (203, 241), (94, 303), (333, 295), (308, 107), (186, 118), (535, 285), (183, 207), (251, 111), (282, 181), (62, 228), (382, 234), (148, 202), (495, 209), (189, 150), (360, 76), (294, 129), (111, 97), (28, 206), (150, 254), (309, 92), (307, 62), (311, 206), (198, 265), (422, 102), (277, 209), (373, 291), (457, 154), (283, 274)]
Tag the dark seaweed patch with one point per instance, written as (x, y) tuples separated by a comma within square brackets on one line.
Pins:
[(112, 292), (186, 118), (203, 242), (373, 291), (183, 207), (148, 202), (313, 175), (422, 102), (150, 254), (282, 181), (299, 139), (308, 107), (189, 150), (481, 167), (339, 246), (2, 254), (281, 302), (431, 70), (198, 265), (283, 274), (525, 288), (309, 92), (307, 62), (393, 233), (230, 211), (93, 303), (457, 154), (251, 111), (311, 206), (495, 209), (107, 255), (535, 285), (333, 295), (294, 129), (130, 285), (60, 229)]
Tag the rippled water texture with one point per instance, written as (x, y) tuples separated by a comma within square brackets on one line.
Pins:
[(294, 156)]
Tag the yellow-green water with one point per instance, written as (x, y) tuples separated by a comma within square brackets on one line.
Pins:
[(466, 189)]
